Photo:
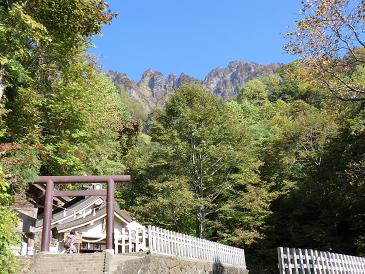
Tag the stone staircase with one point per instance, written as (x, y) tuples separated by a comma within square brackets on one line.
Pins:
[(69, 264)]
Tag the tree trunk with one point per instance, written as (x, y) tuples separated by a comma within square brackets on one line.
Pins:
[(201, 222), (2, 86)]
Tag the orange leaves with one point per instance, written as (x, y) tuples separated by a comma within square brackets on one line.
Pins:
[(6, 147)]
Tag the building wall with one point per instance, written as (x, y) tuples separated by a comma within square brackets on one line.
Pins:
[(95, 229)]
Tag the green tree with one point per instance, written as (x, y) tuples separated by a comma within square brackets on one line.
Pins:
[(62, 116), (199, 170), (81, 125), (293, 123), (18, 32), (8, 236)]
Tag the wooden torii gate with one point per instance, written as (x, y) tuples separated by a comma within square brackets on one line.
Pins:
[(50, 181)]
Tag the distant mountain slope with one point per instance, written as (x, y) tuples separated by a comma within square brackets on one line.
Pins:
[(154, 88)]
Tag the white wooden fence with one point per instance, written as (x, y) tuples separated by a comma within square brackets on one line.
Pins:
[(295, 260), (132, 240), (172, 243), (162, 241)]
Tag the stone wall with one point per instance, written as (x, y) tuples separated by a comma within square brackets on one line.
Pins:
[(133, 263), (156, 263)]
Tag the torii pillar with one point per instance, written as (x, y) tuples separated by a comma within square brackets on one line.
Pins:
[(50, 181)]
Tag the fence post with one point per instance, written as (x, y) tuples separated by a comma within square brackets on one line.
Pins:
[(301, 260), (340, 263), (150, 239), (314, 261), (362, 263), (346, 264), (130, 241), (281, 260), (157, 237), (323, 262), (144, 247), (358, 265), (123, 240), (116, 246), (355, 265), (188, 247), (332, 262), (317, 261), (243, 259), (351, 262), (202, 249), (136, 239), (173, 246), (165, 241), (192, 244), (288, 258), (162, 240)]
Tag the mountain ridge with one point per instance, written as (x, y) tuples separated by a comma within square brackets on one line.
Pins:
[(154, 88)]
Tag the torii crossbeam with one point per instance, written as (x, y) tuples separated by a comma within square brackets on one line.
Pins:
[(50, 181)]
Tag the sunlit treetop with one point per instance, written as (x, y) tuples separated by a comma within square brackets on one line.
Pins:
[(330, 38)]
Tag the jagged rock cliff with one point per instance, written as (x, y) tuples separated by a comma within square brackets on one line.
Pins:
[(154, 88), (227, 82)]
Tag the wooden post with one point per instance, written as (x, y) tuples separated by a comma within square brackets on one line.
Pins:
[(47, 216), (110, 214)]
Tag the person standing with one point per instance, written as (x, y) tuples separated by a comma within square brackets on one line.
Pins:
[(69, 242)]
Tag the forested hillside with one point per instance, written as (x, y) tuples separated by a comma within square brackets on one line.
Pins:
[(280, 164)]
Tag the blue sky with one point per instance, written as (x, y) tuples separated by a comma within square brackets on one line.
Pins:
[(193, 36)]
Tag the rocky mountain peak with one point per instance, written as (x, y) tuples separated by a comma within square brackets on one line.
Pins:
[(154, 88), (150, 73), (227, 82), (186, 79)]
